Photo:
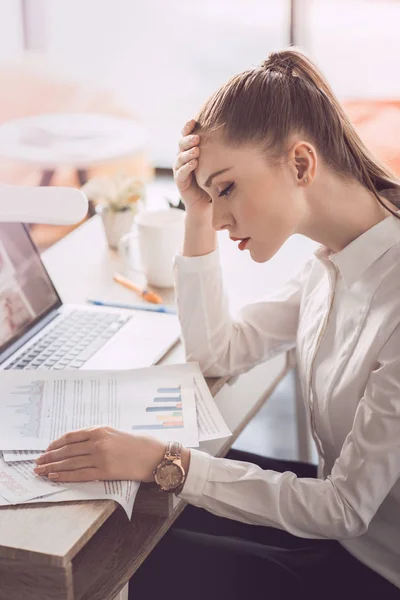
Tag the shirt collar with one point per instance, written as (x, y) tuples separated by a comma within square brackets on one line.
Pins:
[(353, 261)]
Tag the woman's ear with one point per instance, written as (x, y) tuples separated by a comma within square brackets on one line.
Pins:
[(305, 162)]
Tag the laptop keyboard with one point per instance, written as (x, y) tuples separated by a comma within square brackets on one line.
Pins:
[(71, 341)]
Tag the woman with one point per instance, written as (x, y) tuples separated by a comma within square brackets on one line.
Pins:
[(272, 154)]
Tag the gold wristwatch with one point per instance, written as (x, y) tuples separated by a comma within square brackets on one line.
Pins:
[(170, 474)]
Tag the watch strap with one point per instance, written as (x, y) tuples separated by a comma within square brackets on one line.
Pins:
[(173, 451)]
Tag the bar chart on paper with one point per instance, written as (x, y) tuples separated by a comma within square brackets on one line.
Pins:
[(163, 412), (34, 412)]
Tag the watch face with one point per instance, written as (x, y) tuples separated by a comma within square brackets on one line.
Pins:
[(169, 475)]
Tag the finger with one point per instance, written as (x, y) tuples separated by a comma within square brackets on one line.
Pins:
[(187, 142), (69, 464), (188, 127), (78, 449), (74, 476), (185, 157), (183, 173), (72, 437)]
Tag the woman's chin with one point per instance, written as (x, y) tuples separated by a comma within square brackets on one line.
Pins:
[(260, 255)]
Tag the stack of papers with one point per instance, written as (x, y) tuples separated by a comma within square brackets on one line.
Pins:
[(167, 402)]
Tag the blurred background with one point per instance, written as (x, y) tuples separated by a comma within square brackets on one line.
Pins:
[(155, 63)]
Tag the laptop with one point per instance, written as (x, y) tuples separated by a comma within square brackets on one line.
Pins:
[(38, 331)]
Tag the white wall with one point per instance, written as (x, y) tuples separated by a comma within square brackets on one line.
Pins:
[(357, 44)]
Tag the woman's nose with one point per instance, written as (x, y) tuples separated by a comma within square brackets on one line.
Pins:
[(220, 220)]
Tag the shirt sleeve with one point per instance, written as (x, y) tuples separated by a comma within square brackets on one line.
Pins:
[(338, 507), (223, 345)]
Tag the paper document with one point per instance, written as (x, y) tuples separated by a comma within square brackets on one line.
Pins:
[(123, 492), (18, 455), (169, 402), (19, 483), (37, 409), (209, 420), (210, 423)]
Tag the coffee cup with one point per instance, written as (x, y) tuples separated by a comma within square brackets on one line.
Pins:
[(157, 237)]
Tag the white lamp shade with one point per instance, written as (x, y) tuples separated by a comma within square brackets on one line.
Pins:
[(51, 205)]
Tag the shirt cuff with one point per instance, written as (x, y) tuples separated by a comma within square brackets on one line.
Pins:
[(195, 264), (196, 477)]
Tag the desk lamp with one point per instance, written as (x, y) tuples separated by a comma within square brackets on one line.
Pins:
[(51, 205)]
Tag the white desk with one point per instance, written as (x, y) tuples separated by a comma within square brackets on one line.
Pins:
[(88, 550)]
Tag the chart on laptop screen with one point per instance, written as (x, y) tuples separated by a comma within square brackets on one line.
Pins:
[(15, 308), (26, 291)]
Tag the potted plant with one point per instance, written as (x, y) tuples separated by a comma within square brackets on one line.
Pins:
[(117, 199)]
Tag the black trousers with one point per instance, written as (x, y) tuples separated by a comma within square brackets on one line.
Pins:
[(207, 557)]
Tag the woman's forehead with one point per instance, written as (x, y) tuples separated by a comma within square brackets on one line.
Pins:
[(217, 153)]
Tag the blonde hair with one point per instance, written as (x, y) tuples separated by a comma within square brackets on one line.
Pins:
[(287, 93)]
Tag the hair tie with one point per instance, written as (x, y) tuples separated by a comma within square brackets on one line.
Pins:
[(278, 64), (286, 65)]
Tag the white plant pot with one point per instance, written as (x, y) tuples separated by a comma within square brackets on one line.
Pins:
[(116, 223)]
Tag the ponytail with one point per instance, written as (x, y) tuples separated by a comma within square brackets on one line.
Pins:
[(287, 93)]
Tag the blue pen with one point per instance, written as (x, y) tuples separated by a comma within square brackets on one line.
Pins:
[(152, 307)]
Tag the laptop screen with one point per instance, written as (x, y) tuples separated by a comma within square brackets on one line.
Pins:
[(26, 291)]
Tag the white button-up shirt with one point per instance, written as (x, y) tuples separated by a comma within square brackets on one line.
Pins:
[(342, 314)]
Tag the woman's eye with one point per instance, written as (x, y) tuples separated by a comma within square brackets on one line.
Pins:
[(226, 191)]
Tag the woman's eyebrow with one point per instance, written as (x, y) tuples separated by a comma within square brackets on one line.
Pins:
[(211, 177)]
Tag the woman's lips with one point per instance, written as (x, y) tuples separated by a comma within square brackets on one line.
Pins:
[(243, 242)]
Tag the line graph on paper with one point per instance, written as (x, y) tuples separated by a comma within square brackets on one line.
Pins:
[(163, 412), (26, 402)]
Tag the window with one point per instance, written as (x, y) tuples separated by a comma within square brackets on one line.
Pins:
[(356, 43), (11, 30)]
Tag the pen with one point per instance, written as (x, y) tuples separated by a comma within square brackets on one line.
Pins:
[(146, 294), (151, 307)]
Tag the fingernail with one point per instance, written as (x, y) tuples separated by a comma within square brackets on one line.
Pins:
[(54, 475), (194, 138), (39, 469)]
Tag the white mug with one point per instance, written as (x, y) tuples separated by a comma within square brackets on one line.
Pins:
[(160, 235)]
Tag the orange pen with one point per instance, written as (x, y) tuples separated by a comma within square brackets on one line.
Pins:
[(146, 294)]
